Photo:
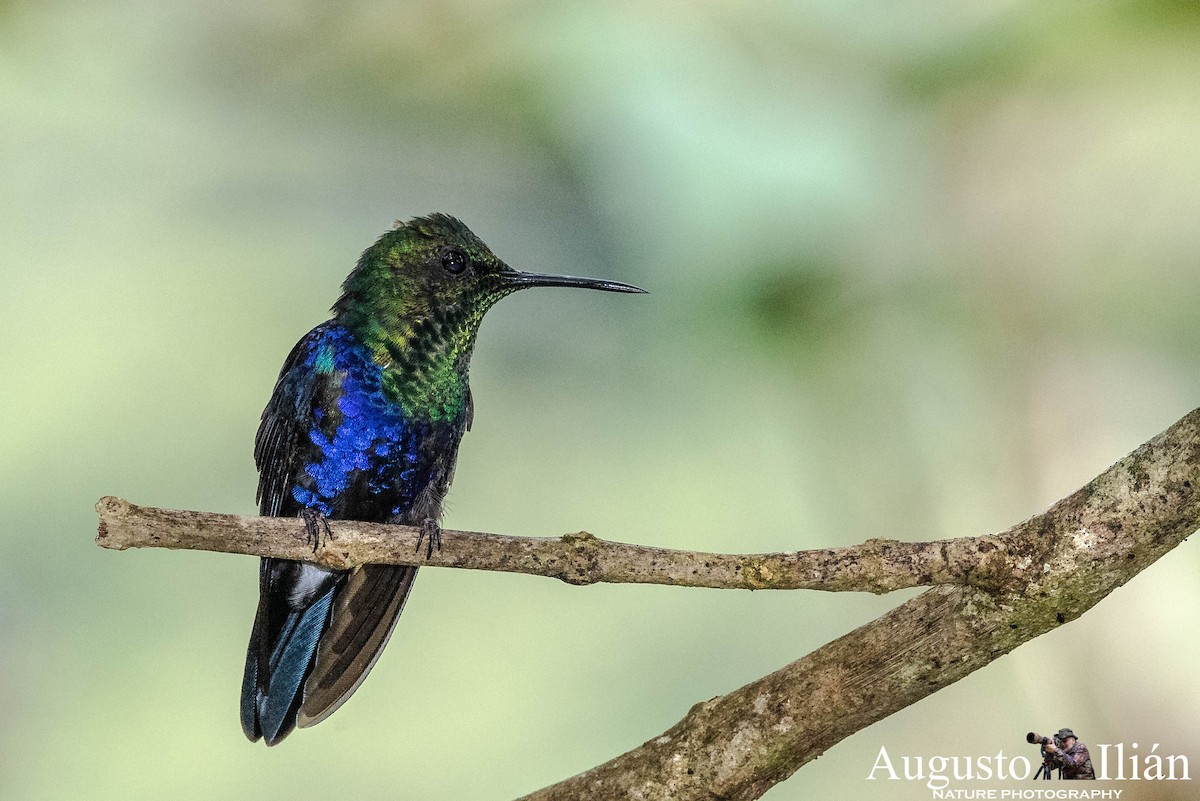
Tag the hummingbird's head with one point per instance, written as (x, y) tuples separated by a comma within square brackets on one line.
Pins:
[(425, 285), (432, 273)]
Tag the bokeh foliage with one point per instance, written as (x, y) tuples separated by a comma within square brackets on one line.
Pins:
[(917, 270)]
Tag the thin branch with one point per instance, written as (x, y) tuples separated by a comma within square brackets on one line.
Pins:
[(1012, 587), (875, 566)]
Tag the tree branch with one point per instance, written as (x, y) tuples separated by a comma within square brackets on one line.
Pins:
[(1059, 565), (875, 566), (999, 592)]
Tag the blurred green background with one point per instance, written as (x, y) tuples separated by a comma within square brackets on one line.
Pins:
[(917, 270)]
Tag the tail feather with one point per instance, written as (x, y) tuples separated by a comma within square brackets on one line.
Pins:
[(270, 698), (303, 663), (291, 663), (249, 708)]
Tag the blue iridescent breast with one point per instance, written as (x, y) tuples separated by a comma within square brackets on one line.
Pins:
[(363, 452)]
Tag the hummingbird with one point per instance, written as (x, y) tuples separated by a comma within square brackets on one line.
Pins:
[(364, 424)]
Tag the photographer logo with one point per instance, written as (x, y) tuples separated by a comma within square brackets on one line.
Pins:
[(1061, 755)]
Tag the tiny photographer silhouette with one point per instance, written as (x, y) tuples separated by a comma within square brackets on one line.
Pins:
[(1062, 752)]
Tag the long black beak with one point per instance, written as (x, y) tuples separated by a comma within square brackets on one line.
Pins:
[(519, 280)]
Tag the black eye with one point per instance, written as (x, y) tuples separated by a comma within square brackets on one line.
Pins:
[(455, 261)]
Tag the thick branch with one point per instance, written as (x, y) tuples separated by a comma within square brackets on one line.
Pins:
[(875, 566), (1063, 562)]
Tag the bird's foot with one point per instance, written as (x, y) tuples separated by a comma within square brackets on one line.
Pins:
[(431, 535), (316, 525)]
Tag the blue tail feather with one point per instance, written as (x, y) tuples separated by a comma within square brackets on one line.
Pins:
[(269, 703)]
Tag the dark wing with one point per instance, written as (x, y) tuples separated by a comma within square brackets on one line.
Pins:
[(365, 610), (294, 599), (286, 421)]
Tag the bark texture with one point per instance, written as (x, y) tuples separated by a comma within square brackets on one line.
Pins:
[(875, 566), (1056, 566)]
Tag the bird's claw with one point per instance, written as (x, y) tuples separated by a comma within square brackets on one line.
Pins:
[(430, 534), (316, 525)]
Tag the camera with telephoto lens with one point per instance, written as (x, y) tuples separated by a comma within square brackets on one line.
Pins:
[(1035, 738), (1051, 761)]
